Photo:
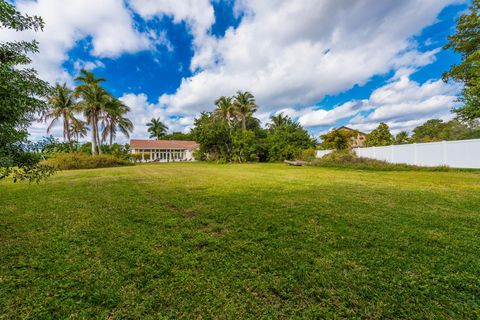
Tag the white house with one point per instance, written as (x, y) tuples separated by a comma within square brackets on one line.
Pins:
[(163, 150)]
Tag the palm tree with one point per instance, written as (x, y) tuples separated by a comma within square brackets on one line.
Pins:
[(62, 105), (94, 99), (278, 121), (78, 129), (245, 106), (114, 119), (225, 109), (156, 128)]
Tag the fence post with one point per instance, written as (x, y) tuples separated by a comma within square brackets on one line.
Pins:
[(415, 154), (444, 145)]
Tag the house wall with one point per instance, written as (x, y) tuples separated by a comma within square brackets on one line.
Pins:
[(164, 155)]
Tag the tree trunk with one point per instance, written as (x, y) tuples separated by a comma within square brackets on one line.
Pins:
[(94, 137), (99, 145), (244, 122), (65, 129), (111, 138)]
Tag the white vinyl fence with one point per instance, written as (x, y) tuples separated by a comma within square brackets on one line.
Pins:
[(454, 154)]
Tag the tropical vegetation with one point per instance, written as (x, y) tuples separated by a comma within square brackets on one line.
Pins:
[(157, 129), (466, 42), (231, 133), (23, 97)]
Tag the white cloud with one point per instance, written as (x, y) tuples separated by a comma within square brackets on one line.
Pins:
[(293, 53), (142, 112), (197, 14), (402, 103), (108, 22)]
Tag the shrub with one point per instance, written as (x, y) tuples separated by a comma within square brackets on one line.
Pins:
[(308, 155), (79, 160), (348, 159)]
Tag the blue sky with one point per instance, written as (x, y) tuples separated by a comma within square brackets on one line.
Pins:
[(324, 63)]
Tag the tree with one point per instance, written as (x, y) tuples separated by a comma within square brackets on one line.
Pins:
[(114, 120), (466, 42), (94, 99), (78, 129), (338, 139), (214, 137), (225, 109), (156, 128), (22, 96), (286, 139), (178, 136), (402, 138), (380, 136), (244, 146), (438, 130), (245, 107), (277, 121), (61, 105)]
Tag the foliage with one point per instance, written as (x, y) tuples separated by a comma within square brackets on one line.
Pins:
[(49, 146), (22, 96), (114, 119), (402, 138), (348, 159), (94, 98), (231, 133), (379, 136), (80, 160), (244, 146), (338, 139), (466, 42), (61, 104), (178, 136), (244, 107), (258, 241), (214, 137), (157, 128), (121, 151), (438, 130), (286, 140), (308, 155)]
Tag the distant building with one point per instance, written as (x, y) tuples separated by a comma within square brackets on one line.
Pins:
[(355, 141), (163, 150)]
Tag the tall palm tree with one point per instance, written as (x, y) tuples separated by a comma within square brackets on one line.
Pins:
[(78, 129), (114, 119), (277, 121), (61, 105), (94, 99), (225, 109), (156, 128), (244, 103)]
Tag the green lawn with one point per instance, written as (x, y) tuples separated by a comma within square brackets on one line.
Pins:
[(241, 241)]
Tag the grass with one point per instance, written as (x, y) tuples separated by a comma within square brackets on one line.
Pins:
[(198, 240)]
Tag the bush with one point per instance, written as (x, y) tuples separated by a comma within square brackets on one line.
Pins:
[(79, 160), (348, 159), (308, 155)]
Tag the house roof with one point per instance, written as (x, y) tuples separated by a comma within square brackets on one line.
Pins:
[(162, 144), (350, 129)]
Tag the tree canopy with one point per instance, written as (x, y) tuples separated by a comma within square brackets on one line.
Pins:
[(22, 98), (466, 42), (379, 136), (231, 133)]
